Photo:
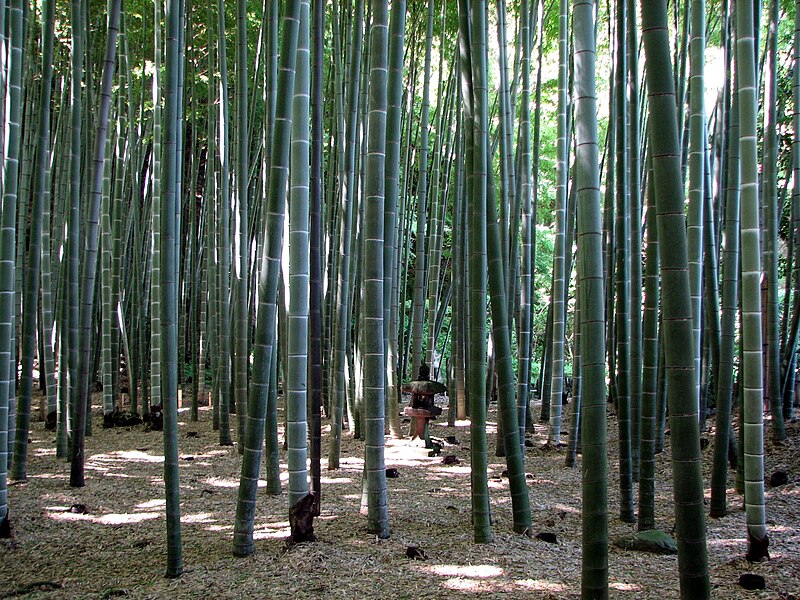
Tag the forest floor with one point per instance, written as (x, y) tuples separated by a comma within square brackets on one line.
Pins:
[(117, 548)]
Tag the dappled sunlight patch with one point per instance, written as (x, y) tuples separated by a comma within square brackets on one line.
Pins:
[(453, 470), (782, 530), (213, 453), (429, 507), (126, 455), (97, 469), (496, 485), (157, 503), (624, 587), (726, 543), (126, 518), (566, 508), (326, 517), (228, 482), (278, 530), (63, 514), (48, 476), (473, 571), (540, 585), (541, 481), (335, 480), (66, 516), (198, 518), (463, 585), (44, 452)]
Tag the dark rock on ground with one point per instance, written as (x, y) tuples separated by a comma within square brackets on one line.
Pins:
[(751, 581), (778, 478), (547, 536)]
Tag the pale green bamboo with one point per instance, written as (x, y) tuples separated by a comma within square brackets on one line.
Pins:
[(90, 250), (473, 42), (392, 174), (317, 253), (224, 249), (31, 291), (47, 269), (436, 225), (169, 285), (769, 202), (7, 279), (789, 410), (526, 176), (676, 306), (343, 287), (594, 574), (373, 276), (698, 144), (73, 219), (650, 366), (635, 179), (155, 215), (421, 252), (241, 237), (297, 327), (752, 367), (730, 303), (560, 249), (506, 396), (106, 308), (457, 396), (264, 343), (622, 305)]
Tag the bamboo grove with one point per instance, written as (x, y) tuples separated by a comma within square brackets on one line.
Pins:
[(229, 207)]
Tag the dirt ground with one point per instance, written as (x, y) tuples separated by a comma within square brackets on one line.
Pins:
[(117, 548)]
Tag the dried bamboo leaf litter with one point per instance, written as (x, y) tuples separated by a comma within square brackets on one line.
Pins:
[(118, 546)]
